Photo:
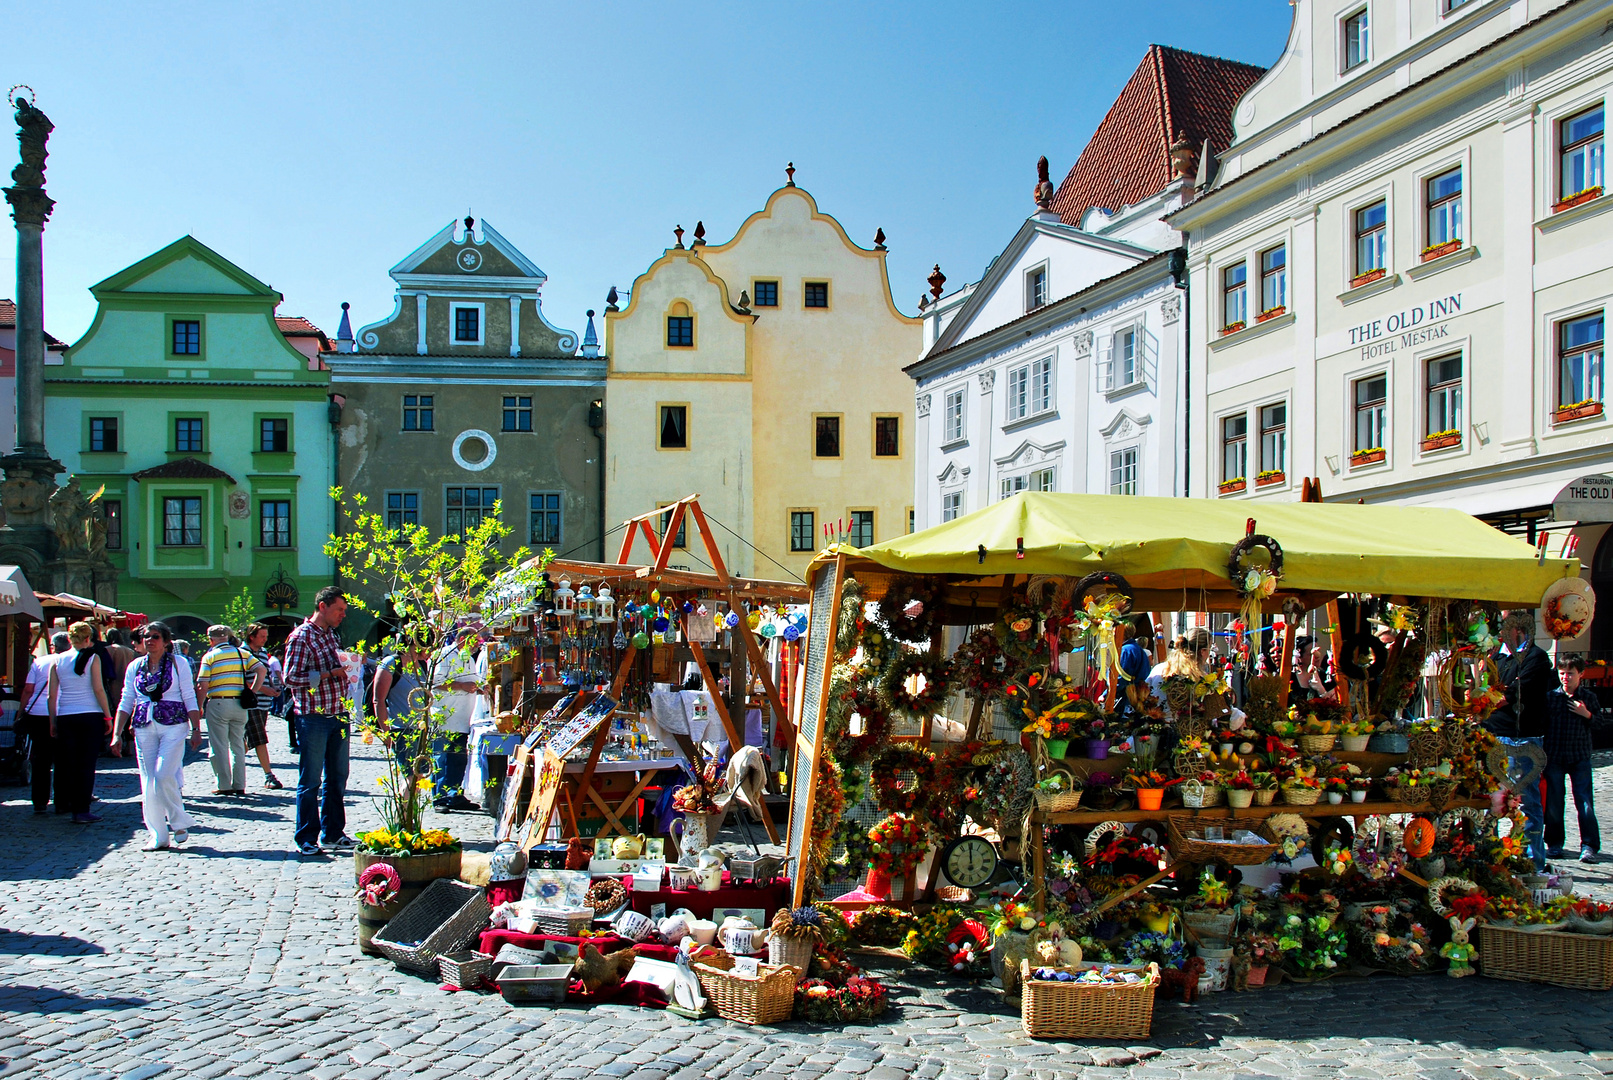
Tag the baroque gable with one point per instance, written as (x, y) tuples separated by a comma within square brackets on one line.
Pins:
[(1031, 453)]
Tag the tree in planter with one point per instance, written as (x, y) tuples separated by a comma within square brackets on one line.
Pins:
[(437, 585)]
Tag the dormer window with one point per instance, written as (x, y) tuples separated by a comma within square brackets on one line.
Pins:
[(467, 320), (1355, 48), (1035, 288)]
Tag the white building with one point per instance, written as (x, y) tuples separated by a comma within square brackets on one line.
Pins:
[(1401, 273), (1060, 370)]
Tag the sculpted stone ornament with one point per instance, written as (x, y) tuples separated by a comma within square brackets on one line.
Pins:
[(1043, 192), (27, 196), (922, 403), (71, 512), (23, 496)]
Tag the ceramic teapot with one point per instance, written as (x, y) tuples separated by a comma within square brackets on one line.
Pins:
[(507, 862), (628, 847)]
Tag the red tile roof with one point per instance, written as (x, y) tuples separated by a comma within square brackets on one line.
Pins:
[(185, 468), (297, 326), (1128, 158), (8, 319)]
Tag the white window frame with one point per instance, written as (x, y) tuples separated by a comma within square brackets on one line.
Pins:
[(1015, 411), (1043, 477), (948, 437), (1346, 69), (958, 511), (1047, 287), (1351, 378), (1547, 380), (1259, 261), (1220, 282), (1386, 195), (1218, 450), (1425, 173), (1136, 451), (454, 306), (1552, 164), (1419, 359), (1256, 441)]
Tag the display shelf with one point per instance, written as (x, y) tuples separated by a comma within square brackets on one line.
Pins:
[(1252, 813)]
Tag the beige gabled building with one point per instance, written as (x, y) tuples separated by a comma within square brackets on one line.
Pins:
[(766, 375)]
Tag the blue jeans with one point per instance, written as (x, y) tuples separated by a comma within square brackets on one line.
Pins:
[(1557, 779), (449, 757), (1534, 829), (322, 742)]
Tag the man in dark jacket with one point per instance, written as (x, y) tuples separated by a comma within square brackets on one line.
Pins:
[(1527, 677), (1572, 709)]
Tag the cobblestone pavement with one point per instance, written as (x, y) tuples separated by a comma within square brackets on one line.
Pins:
[(236, 958)]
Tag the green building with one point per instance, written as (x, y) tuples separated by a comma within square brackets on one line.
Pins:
[(208, 421)]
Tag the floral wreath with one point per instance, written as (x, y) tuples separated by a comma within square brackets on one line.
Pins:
[(926, 701), (1019, 630), (379, 884), (1440, 888), (1253, 580), (896, 830), (1005, 790), (1370, 859), (1479, 823), (826, 810), (876, 726), (889, 793), (858, 851), (859, 999), (981, 669), (606, 894), (849, 630), (905, 591)]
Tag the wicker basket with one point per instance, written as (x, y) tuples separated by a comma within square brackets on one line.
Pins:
[(782, 952), (1317, 744), (1208, 926), (1187, 842), (464, 970), (1197, 795), (1265, 796), (1424, 749), (563, 922), (1440, 793), (1086, 1011), (1579, 961), (1302, 796), (445, 916), (1058, 802), (766, 1000)]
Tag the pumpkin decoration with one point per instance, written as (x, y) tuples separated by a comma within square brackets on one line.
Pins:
[(1418, 838)]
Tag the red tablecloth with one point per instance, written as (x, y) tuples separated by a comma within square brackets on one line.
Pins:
[(767, 897), (493, 940)]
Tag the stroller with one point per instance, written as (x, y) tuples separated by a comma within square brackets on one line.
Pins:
[(13, 746)]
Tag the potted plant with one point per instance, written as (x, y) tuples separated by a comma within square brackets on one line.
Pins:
[(1359, 786), (436, 585), (1058, 745), (1265, 788), (1354, 736), (1436, 251), (1336, 787), (1236, 484), (1576, 199), (1233, 327), (1368, 278), (1241, 789), (1264, 952), (1149, 788), (1370, 456), (1102, 790), (1270, 313), (1301, 790), (1268, 477), (1440, 440)]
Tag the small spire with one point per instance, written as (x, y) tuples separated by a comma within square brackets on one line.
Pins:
[(789, 172), (344, 332), (590, 339), (610, 300), (936, 280), (879, 240), (699, 234), (924, 301), (679, 232), (470, 227)]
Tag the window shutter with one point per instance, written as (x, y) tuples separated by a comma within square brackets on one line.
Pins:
[(1147, 356)]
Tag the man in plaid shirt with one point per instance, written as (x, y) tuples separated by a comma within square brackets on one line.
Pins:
[(317, 679)]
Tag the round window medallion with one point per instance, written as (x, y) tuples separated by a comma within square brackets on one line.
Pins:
[(470, 260), (474, 450)]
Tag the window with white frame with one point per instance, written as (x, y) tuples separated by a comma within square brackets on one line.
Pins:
[(1030, 389), (1444, 396), (1234, 296), (1274, 279), (1579, 361), (1123, 471), (1371, 237), (1442, 198), (467, 324), (1273, 438), (1234, 447), (1124, 369), (951, 505), (1355, 40), (952, 424), (1035, 288), (1036, 480), (1371, 396), (1580, 153)]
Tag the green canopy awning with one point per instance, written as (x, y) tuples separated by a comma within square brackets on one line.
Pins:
[(1164, 545)]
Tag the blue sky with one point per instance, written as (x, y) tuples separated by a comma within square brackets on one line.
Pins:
[(317, 144)]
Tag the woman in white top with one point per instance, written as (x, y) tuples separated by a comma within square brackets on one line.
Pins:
[(36, 722), (159, 695), (79, 722)]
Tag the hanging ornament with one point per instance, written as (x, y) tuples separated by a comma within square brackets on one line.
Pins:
[(769, 631), (754, 619), (731, 620), (686, 607), (655, 596), (604, 606), (619, 642), (641, 640), (792, 632), (660, 625)]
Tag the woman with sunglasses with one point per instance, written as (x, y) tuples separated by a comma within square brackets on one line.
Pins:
[(159, 695)]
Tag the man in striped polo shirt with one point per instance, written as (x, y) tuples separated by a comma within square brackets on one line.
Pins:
[(227, 669)]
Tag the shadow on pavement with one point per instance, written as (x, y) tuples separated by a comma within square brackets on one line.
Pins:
[(22, 943), (45, 999), (274, 855)]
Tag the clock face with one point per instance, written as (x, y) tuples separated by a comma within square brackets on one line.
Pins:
[(970, 862)]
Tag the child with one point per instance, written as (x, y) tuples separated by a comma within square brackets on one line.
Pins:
[(1571, 709)]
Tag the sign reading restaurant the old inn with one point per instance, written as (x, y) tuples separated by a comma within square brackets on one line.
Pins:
[(1409, 324)]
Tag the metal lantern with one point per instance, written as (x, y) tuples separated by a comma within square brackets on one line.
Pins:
[(585, 605), (604, 606), (565, 601)]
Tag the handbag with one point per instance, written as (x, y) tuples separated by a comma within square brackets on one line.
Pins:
[(249, 696)]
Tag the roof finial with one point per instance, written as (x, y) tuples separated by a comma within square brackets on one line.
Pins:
[(936, 280), (344, 332), (610, 300), (879, 240), (590, 340), (1043, 192), (470, 225), (744, 301), (789, 172), (1184, 161), (679, 232), (699, 234)]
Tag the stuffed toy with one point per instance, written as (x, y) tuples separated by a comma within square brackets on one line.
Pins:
[(579, 852), (1457, 950)]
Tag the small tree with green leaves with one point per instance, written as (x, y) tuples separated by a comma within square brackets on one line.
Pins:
[(239, 612), (437, 585)]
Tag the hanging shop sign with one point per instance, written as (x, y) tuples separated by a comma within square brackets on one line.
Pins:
[(1587, 500)]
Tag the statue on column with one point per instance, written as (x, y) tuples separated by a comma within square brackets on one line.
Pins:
[(71, 514), (27, 194)]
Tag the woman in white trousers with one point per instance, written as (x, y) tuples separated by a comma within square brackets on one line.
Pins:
[(159, 696)]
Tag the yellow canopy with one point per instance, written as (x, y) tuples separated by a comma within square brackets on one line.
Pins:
[(1183, 545)]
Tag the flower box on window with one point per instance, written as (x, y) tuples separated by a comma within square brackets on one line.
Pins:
[(1232, 328), (1368, 278), (1269, 477), (1270, 313), (1435, 251), (1236, 484), (1574, 200), (1367, 457), (1440, 440), (1577, 411)]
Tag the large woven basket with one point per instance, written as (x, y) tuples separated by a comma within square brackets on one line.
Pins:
[(782, 952), (1580, 961), (1058, 802), (1317, 744), (1084, 1010), (1300, 796), (445, 916), (1197, 795), (1188, 843), (765, 1000)]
